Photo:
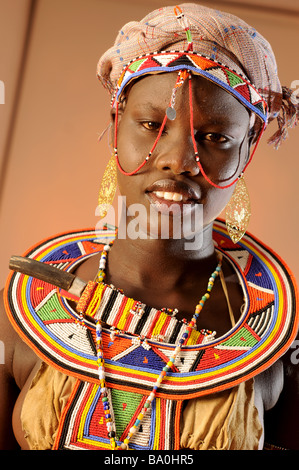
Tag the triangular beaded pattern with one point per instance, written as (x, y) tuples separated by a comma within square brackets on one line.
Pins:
[(264, 332), (168, 61)]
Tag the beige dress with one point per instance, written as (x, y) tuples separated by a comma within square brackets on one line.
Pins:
[(226, 420)]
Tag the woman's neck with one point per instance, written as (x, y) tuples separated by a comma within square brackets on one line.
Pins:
[(161, 273), (161, 263)]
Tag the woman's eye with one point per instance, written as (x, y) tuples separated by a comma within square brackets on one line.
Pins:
[(151, 125), (212, 137)]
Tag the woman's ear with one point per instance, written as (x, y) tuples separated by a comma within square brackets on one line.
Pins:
[(255, 128), (112, 118), (120, 111), (252, 136)]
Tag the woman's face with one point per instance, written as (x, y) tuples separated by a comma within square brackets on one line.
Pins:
[(172, 177)]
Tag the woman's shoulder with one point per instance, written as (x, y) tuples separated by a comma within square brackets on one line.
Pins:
[(18, 359), (281, 421)]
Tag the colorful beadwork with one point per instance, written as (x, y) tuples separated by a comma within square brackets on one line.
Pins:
[(101, 362), (187, 63), (170, 113), (44, 318), (171, 61)]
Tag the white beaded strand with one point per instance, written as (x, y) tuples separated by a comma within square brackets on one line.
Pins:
[(101, 365)]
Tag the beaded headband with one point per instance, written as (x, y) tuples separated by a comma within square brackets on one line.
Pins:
[(172, 61), (187, 63)]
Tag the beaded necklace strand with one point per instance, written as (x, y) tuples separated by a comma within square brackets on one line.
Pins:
[(110, 425)]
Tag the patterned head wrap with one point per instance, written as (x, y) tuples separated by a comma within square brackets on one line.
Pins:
[(225, 50)]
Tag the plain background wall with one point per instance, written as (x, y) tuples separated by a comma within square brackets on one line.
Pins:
[(55, 109)]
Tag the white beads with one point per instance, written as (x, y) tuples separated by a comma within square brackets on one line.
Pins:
[(110, 424), (159, 380), (133, 429)]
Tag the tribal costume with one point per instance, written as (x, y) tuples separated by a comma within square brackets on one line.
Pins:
[(206, 376)]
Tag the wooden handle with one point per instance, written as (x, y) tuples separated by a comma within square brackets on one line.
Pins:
[(47, 273)]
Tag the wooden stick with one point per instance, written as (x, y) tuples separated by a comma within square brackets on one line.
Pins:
[(45, 272)]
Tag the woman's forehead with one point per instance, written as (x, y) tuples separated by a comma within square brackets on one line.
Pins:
[(153, 92)]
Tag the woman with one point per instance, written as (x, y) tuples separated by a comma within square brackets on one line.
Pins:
[(199, 357)]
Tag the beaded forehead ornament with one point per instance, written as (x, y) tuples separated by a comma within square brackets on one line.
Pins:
[(187, 63)]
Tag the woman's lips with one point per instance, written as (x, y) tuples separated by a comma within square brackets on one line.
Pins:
[(170, 196), (175, 195)]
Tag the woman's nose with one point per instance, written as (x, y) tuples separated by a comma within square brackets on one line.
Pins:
[(175, 153)]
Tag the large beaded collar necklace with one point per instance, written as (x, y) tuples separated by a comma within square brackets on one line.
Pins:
[(83, 307), (44, 317)]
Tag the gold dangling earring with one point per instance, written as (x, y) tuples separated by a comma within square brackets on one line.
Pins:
[(238, 211), (108, 188)]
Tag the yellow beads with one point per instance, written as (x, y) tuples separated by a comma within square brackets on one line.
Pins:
[(167, 368)]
